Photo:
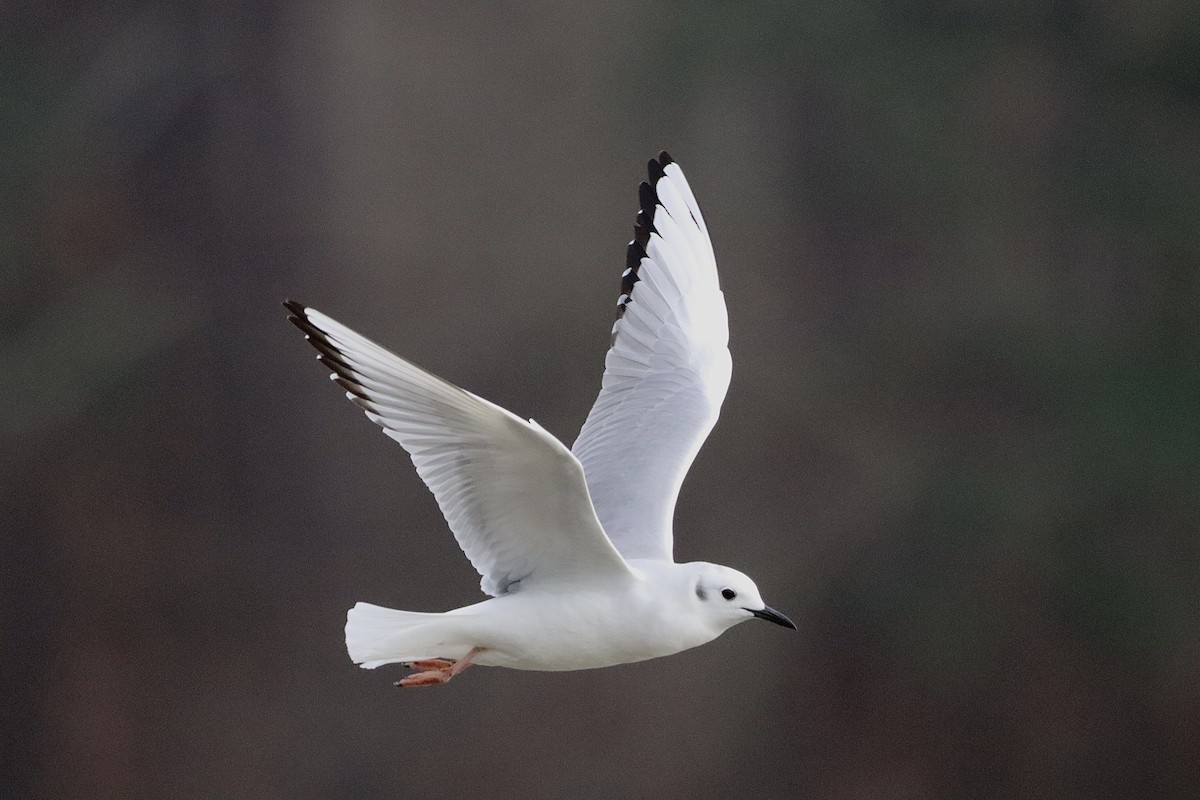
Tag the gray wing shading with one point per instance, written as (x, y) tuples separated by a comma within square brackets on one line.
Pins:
[(665, 375), (513, 495)]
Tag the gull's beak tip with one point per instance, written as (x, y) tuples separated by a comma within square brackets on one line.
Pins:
[(771, 615)]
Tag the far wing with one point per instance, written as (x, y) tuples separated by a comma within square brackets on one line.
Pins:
[(665, 375), (514, 496)]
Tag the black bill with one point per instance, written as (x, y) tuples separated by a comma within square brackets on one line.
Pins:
[(771, 615)]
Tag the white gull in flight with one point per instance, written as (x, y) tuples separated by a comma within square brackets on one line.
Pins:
[(574, 546)]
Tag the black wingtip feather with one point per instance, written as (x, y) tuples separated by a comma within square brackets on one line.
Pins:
[(303, 324), (655, 171), (351, 387), (634, 255), (329, 354), (643, 227), (630, 277), (648, 199), (641, 232)]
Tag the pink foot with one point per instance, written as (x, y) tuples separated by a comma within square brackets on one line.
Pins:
[(437, 671), (430, 664), (430, 678)]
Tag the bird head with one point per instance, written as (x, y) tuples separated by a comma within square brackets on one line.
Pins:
[(728, 597)]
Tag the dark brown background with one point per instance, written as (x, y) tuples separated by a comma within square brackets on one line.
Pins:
[(960, 248)]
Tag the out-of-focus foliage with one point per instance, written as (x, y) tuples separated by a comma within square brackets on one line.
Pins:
[(960, 245)]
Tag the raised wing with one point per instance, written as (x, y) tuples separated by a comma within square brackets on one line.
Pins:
[(666, 373), (514, 496)]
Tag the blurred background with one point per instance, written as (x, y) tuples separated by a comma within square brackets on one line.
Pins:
[(960, 247)]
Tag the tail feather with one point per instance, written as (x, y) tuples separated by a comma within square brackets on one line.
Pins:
[(376, 636)]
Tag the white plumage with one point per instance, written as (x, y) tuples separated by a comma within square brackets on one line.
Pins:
[(665, 375), (575, 546), (513, 495)]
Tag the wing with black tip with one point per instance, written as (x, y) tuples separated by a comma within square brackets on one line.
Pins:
[(514, 496), (665, 375)]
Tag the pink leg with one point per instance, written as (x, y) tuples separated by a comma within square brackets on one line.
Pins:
[(438, 670)]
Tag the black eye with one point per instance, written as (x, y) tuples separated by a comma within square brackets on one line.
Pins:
[(728, 594)]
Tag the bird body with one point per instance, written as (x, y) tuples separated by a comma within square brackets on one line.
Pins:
[(574, 546), (650, 614)]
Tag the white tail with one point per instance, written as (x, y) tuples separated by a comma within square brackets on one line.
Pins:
[(376, 636)]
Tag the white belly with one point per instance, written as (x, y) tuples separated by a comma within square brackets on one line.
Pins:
[(577, 630)]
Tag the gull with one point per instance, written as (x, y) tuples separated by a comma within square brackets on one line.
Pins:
[(574, 547)]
